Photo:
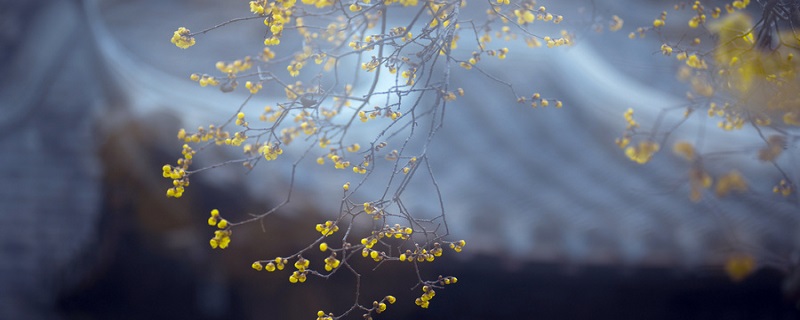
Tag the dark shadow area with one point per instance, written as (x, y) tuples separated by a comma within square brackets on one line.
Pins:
[(154, 264)]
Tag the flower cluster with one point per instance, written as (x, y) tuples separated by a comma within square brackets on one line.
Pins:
[(447, 280), (422, 254), (616, 23), (643, 152), (319, 105), (377, 111), (322, 316), (411, 163), (395, 232), (179, 179), (204, 79), (700, 179), (182, 38), (235, 66), (730, 182), (428, 291), (331, 262), (424, 300), (276, 15), (374, 254), (371, 209), (338, 161), (222, 237), (537, 101), (784, 188), (526, 14), (202, 135), (216, 220), (458, 245), (747, 78), (271, 265), (379, 306), (178, 174), (270, 151), (328, 228), (739, 266), (299, 275)]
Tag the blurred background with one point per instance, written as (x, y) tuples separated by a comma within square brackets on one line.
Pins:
[(561, 225)]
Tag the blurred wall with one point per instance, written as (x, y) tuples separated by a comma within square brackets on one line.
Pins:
[(50, 190)]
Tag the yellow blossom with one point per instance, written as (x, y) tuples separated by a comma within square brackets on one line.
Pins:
[(739, 267), (182, 38), (642, 153), (732, 181), (616, 23), (684, 149)]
